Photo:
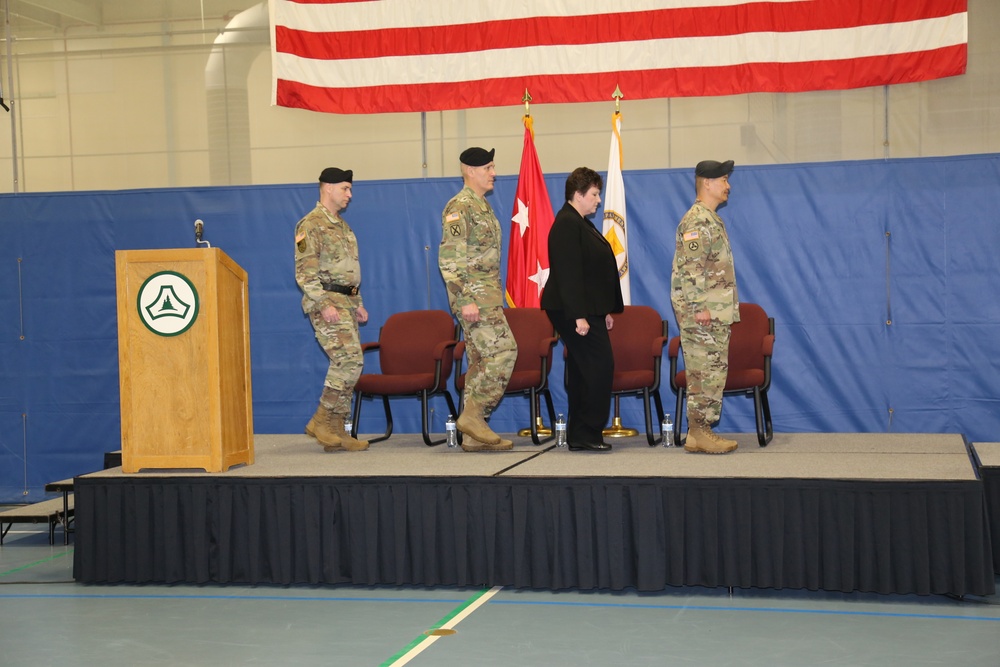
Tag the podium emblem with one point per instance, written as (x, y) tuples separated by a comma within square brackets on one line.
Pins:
[(167, 303)]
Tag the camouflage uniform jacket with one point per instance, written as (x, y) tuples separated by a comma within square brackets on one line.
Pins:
[(326, 251), (469, 255), (704, 275)]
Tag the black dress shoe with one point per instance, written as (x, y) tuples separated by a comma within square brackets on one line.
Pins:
[(589, 446)]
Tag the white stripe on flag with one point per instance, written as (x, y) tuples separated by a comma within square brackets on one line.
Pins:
[(385, 14)]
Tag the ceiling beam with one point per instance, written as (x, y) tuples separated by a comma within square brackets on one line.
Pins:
[(36, 15), (72, 9)]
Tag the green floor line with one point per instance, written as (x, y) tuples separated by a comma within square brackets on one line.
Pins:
[(37, 562), (444, 621)]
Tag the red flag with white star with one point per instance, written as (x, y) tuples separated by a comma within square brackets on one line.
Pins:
[(528, 253)]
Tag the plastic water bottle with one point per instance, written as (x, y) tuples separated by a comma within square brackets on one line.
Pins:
[(451, 430), (348, 425), (560, 431), (667, 430)]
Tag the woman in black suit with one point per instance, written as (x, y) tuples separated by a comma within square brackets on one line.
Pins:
[(582, 291)]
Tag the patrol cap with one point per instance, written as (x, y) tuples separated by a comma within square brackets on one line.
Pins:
[(476, 156), (713, 169), (335, 175)]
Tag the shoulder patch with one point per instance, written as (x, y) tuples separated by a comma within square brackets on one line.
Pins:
[(452, 217), (299, 237), (691, 236)]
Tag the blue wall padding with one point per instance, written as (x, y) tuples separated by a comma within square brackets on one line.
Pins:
[(833, 251)]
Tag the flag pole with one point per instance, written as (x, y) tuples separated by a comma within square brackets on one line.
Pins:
[(616, 430), (540, 427)]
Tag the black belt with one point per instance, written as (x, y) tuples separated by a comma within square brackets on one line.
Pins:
[(349, 290)]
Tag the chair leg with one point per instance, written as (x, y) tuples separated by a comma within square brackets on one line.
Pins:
[(552, 416), (766, 410), (357, 408), (461, 405), (357, 417), (659, 416), (679, 416), (758, 417), (648, 414), (533, 415), (762, 415), (451, 403), (616, 430), (355, 414), (551, 408), (425, 419), (535, 404)]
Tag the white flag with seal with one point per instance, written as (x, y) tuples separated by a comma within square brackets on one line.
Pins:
[(615, 226)]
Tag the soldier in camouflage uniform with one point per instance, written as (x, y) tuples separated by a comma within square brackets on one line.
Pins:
[(329, 273), (469, 259), (705, 301)]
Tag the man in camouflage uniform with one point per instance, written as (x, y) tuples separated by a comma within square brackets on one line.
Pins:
[(703, 294), (469, 258), (329, 273)]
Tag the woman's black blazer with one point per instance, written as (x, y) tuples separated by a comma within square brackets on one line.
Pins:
[(583, 274)]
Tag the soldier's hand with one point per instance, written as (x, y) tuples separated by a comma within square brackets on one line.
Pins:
[(362, 314), (470, 312), (703, 317), (330, 314)]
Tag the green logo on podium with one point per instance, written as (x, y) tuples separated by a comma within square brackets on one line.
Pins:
[(168, 303)]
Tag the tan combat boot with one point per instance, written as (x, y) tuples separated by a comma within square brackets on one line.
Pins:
[(471, 444), (315, 420), (724, 442), (324, 432), (700, 438), (347, 441), (472, 423)]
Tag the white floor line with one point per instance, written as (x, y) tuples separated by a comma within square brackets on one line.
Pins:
[(448, 625)]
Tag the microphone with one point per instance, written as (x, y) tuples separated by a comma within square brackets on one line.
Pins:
[(199, 229)]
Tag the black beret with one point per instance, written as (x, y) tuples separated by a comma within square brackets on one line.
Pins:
[(334, 175), (713, 169), (476, 156)]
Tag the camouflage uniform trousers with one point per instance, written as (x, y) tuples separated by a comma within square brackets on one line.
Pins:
[(492, 352), (706, 362), (342, 344)]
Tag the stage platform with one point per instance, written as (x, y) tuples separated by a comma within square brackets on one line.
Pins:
[(988, 454), (886, 513)]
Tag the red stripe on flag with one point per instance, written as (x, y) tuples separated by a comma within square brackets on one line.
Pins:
[(644, 84), (604, 28)]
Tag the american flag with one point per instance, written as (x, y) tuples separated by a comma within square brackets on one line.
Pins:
[(376, 56)]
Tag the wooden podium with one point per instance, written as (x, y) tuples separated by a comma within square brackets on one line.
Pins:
[(184, 360)]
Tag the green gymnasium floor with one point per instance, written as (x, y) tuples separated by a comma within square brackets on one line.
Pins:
[(47, 619)]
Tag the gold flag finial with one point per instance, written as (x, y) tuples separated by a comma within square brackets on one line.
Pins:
[(617, 95), (527, 102)]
